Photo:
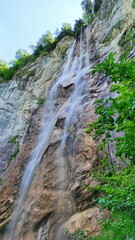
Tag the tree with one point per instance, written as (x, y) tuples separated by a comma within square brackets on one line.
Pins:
[(45, 44), (46, 39), (87, 7), (77, 27), (97, 4), (21, 53), (66, 30), (3, 64)]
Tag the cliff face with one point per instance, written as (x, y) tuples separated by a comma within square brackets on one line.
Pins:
[(20, 97), (55, 199)]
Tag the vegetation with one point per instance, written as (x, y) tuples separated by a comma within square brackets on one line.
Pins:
[(48, 42), (90, 8), (97, 4), (14, 154), (66, 30), (87, 7), (79, 24), (44, 46), (78, 235), (127, 41), (133, 4), (13, 139), (116, 186), (6, 72), (118, 112), (3, 69), (116, 182), (40, 101)]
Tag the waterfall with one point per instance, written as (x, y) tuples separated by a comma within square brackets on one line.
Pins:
[(75, 105), (75, 71), (51, 115)]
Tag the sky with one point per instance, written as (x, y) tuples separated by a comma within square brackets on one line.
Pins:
[(22, 22)]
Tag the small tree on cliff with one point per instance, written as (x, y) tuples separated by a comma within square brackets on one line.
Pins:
[(66, 30)]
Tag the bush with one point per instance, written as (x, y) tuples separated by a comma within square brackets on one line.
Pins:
[(116, 188), (117, 114)]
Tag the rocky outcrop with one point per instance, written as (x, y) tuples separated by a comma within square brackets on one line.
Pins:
[(115, 17), (20, 97), (55, 203)]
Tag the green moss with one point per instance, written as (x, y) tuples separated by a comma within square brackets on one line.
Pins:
[(41, 101), (13, 139), (14, 154), (133, 4)]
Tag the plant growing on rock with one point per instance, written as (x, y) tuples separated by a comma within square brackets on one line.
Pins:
[(40, 101), (13, 139), (117, 113), (133, 4), (116, 188)]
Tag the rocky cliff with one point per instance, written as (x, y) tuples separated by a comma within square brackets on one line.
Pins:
[(55, 199)]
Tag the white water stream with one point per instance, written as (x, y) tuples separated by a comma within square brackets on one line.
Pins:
[(81, 67)]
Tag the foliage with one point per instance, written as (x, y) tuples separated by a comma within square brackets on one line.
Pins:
[(46, 39), (133, 4), (97, 4), (22, 58), (79, 235), (88, 14), (3, 68), (47, 42), (14, 154), (21, 53), (3, 64), (40, 101), (117, 112), (77, 27), (117, 194), (13, 139), (118, 227), (44, 46), (116, 189), (66, 30), (127, 41), (90, 8)]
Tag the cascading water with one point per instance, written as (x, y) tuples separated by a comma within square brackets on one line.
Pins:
[(75, 105), (51, 115), (74, 72)]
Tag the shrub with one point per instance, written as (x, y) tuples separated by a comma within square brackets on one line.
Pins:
[(116, 188)]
